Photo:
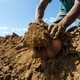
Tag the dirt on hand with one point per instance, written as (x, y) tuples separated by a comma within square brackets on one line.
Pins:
[(17, 61)]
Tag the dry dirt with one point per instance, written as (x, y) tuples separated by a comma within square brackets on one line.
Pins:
[(17, 61)]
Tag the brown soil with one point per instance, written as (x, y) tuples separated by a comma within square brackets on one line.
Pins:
[(17, 61)]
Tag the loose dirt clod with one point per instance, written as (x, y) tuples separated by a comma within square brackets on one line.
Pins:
[(37, 35)]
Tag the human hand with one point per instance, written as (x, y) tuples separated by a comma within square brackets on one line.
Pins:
[(56, 29)]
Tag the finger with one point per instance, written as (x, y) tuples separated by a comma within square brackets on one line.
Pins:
[(50, 28), (54, 30), (58, 32)]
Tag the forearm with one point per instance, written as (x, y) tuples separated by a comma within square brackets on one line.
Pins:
[(72, 14), (41, 9)]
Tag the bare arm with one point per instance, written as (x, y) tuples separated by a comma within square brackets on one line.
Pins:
[(72, 14), (41, 9)]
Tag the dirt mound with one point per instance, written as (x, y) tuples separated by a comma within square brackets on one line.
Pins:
[(10, 39), (17, 61)]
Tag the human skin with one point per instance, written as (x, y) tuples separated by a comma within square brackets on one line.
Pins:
[(70, 17), (41, 9), (67, 20)]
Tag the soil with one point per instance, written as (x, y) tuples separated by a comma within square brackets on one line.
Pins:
[(17, 61)]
